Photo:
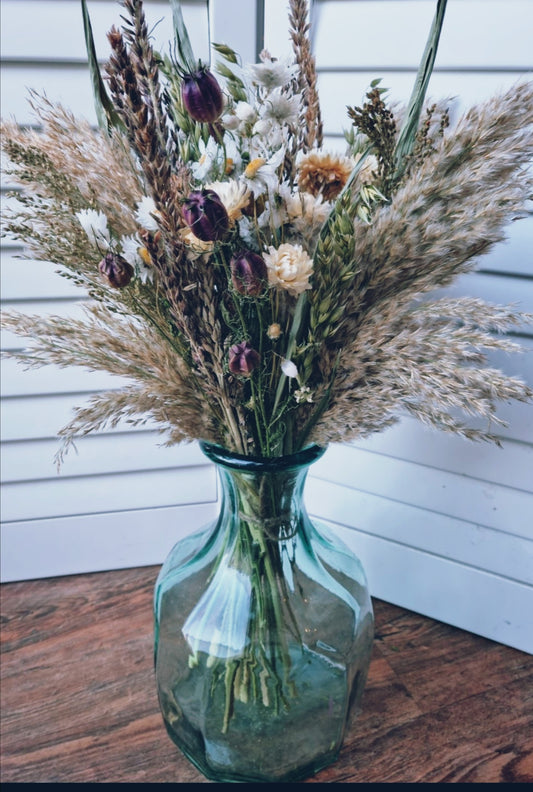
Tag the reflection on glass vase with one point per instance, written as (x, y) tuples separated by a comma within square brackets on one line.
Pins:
[(263, 630)]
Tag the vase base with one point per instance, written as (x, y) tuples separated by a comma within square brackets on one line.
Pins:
[(229, 777)]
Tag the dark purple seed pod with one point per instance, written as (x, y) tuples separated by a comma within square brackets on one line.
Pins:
[(243, 359), (248, 273), (206, 215), (116, 270), (202, 95)]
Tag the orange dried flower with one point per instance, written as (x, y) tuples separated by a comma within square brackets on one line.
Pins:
[(320, 173)]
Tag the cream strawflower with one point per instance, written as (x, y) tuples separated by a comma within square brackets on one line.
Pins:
[(272, 73), (197, 248), (306, 212), (234, 195), (289, 267)]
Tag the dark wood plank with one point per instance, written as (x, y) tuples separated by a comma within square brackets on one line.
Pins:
[(79, 703)]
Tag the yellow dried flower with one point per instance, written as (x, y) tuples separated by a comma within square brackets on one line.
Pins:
[(274, 331)]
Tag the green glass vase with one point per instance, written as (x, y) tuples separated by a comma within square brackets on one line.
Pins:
[(263, 630)]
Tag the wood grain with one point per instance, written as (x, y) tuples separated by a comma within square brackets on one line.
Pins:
[(79, 702)]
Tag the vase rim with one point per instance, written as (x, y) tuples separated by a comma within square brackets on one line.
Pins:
[(225, 457)]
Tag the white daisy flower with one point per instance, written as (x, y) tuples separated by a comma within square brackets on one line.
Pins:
[(95, 226), (274, 215), (136, 254), (210, 153), (260, 174), (146, 214)]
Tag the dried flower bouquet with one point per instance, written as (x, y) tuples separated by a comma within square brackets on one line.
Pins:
[(261, 293), (257, 290)]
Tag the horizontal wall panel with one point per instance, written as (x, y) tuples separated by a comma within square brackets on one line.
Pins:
[(510, 464), (514, 255), (51, 379), (72, 88), (96, 542), (68, 87), (483, 503), (66, 309), (23, 23), (135, 489), (36, 417), (95, 455), (372, 34), (27, 279), (471, 599), (437, 534)]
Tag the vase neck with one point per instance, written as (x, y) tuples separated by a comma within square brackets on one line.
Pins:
[(263, 497)]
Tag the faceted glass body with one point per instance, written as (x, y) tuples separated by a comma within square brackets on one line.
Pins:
[(263, 630)]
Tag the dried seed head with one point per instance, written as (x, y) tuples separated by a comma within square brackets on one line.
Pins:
[(248, 273), (243, 359), (206, 215), (116, 270), (202, 96)]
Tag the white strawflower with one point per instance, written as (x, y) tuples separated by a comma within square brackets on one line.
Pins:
[(281, 108), (95, 226), (245, 112), (146, 214), (272, 73), (289, 267)]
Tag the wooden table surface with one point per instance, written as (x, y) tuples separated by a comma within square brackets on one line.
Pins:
[(78, 699)]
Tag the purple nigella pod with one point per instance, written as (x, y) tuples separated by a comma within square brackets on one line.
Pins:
[(206, 215), (202, 96), (116, 270), (248, 273), (243, 359)]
